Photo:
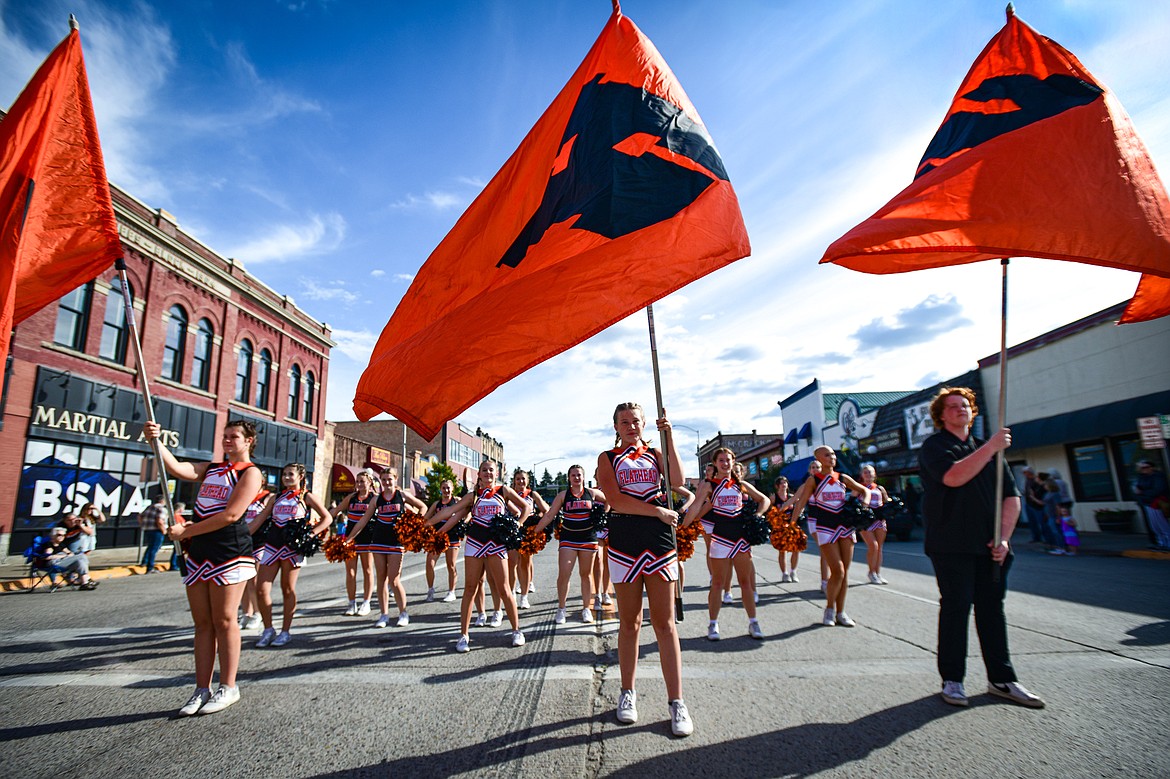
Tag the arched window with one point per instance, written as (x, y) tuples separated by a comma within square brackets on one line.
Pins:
[(294, 392), (73, 317), (310, 393), (174, 348), (244, 371), (263, 379), (114, 329), (201, 361)]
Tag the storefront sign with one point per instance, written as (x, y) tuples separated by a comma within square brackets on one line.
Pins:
[(1150, 429), (379, 457), (95, 425), (919, 426)]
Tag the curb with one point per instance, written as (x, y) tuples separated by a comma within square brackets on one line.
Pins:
[(101, 574), (1146, 554)]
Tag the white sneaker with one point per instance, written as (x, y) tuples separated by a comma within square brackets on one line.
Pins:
[(881, 579), (363, 608), (830, 618), (532, 586), (586, 615), (792, 577), (481, 620), (463, 644), (282, 638), (713, 631), (430, 594), (754, 630), (223, 697), (497, 619), (560, 617), (605, 600), (403, 620), (517, 638), (383, 621), (726, 598), (680, 719), (352, 610), (844, 621), (449, 597), (1017, 693), (784, 578), (954, 694), (524, 604), (874, 578), (252, 623), (516, 588), (201, 696), (265, 640), (627, 708), (756, 596)]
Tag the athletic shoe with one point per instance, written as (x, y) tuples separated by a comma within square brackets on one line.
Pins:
[(524, 604), (874, 578), (201, 696), (1017, 693), (449, 597), (430, 594), (754, 630), (954, 694), (792, 577), (627, 708), (830, 618), (844, 621), (560, 618), (517, 638), (383, 621), (824, 584), (363, 608), (252, 623), (516, 588), (89, 585), (266, 638), (403, 620), (881, 579), (223, 697), (282, 638), (352, 610), (726, 598), (712, 631), (605, 600), (1056, 551), (497, 619), (463, 644), (597, 601), (481, 620), (756, 596), (532, 586), (784, 578), (586, 615), (680, 719)]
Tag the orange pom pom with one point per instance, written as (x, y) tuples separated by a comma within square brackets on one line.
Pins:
[(533, 541), (685, 538), (413, 533), (338, 549)]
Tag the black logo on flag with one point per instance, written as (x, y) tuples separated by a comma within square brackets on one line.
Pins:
[(612, 192), (1036, 100)]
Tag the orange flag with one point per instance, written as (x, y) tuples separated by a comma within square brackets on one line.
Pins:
[(57, 227), (1035, 158), (616, 198)]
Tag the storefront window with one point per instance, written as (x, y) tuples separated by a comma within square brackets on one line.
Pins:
[(114, 329), (244, 371), (310, 392), (263, 379), (174, 347), (201, 361), (1092, 479), (294, 392), (91, 458)]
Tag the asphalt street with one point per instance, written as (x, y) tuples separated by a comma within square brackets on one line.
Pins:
[(90, 681)]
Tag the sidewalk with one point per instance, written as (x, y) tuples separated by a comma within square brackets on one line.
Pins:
[(123, 561)]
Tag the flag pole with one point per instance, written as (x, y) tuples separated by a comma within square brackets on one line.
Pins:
[(678, 601), (1001, 412), (155, 444)]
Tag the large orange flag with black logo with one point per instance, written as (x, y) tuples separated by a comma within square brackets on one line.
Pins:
[(1035, 158), (615, 198), (57, 226)]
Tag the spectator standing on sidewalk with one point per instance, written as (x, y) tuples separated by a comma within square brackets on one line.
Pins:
[(153, 521), (959, 505), (1034, 504), (1154, 496)]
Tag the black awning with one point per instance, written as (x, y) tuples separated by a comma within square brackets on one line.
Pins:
[(1110, 419)]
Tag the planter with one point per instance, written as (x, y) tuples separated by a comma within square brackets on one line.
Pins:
[(1115, 520)]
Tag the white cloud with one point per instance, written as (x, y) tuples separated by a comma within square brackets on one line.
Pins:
[(404, 276), (292, 241), (333, 291), (356, 344), (377, 273), (436, 201)]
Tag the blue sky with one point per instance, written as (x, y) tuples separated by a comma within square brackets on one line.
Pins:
[(330, 145)]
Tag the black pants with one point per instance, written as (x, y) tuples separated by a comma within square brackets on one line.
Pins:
[(965, 580)]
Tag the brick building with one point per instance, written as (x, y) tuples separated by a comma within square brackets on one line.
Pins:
[(217, 344)]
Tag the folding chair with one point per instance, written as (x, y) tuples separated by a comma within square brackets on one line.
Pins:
[(37, 572)]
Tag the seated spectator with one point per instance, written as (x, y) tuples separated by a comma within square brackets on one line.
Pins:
[(54, 555)]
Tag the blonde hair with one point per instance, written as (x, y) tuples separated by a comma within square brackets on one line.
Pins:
[(627, 406)]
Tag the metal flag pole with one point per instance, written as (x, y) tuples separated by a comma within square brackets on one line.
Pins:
[(678, 601), (1001, 411), (156, 444)]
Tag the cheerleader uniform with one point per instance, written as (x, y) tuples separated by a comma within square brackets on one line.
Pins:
[(441, 507), (875, 503), (488, 503), (824, 507), (533, 519), (288, 509), (353, 514), (639, 545), (726, 537), (254, 509), (384, 539), (577, 531), (223, 556)]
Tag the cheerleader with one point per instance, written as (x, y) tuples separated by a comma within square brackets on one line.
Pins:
[(482, 554), (520, 565), (824, 493), (814, 469), (875, 535), (783, 501), (219, 558), (446, 500), (384, 544), (642, 555), (603, 595), (251, 603), (720, 501), (578, 540), (293, 504), (353, 507)]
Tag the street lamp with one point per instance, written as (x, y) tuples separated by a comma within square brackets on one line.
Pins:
[(698, 439), (542, 462)]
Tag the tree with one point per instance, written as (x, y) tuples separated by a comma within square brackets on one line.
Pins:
[(435, 477), (545, 479)]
